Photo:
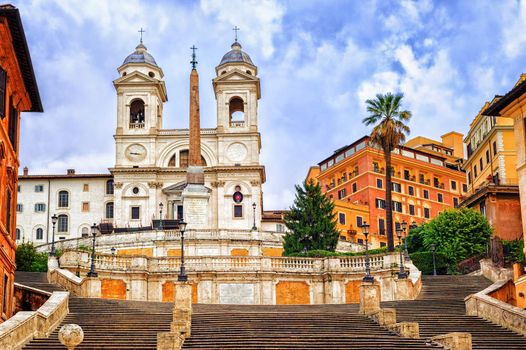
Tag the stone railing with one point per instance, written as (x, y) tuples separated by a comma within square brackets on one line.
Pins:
[(106, 262), (26, 325), (28, 298), (481, 304)]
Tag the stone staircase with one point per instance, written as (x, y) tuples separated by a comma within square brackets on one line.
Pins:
[(290, 327), (36, 280), (440, 309)]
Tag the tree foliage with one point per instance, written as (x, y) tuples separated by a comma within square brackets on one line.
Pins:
[(311, 221), (28, 259), (389, 132), (457, 233)]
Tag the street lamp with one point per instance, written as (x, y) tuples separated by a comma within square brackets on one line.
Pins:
[(433, 248), (367, 277), (254, 228), (401, 273), (92, 272), (161, 205), (182, 275), (406, 253), (54, 220)]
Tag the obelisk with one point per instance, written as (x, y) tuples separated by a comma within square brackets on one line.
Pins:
[(195, 195)]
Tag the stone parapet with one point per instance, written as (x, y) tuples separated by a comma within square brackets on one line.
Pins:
[(454, 341), (384, 317), (494, 273), (370, 297), (406, 329), (26, 325)]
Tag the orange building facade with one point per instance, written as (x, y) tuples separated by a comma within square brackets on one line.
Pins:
[(424, 184), (18, 93)]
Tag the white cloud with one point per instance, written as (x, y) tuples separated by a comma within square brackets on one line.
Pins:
[(514, 32)]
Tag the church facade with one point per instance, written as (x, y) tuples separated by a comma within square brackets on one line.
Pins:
[(155, 169)]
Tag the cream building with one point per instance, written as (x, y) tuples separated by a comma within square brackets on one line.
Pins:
[(151, 163)]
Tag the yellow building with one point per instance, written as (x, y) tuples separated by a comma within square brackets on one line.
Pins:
[(451, 147), (491, 173)]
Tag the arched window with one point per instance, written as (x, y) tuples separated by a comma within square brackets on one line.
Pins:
[(109, 210), (63, 199), (62, 223), (203, 161), (109, 187), (183, 158), (171, 162), (40, 234), (85, 232), (137, 112), (17, 234), (236, 109)]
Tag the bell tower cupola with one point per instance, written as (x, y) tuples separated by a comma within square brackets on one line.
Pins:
[(237, 91), (141, 93)]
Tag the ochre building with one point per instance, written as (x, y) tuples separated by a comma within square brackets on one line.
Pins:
[(18, 93), (424, 184), (491, 174)]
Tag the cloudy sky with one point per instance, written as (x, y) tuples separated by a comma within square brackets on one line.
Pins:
[(318, 62)]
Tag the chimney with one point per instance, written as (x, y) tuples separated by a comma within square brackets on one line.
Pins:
[(71, 171), (26, 171)]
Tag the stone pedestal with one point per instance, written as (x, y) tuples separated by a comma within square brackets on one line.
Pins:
[(370, 297), (384, 317), (169, 341), (195, 205), (454, 340), (407, 329)]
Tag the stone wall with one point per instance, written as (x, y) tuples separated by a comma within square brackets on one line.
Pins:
[(29, 299)]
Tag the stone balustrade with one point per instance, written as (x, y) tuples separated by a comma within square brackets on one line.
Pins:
[(107, 262)]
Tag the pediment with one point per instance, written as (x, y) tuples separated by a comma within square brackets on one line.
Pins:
[(136, 78), (176, 188), (236, 75)]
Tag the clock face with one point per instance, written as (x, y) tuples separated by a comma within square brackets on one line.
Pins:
[(236, 152), (135, 152)]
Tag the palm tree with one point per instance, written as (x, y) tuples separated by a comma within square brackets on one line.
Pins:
[(389, 132)]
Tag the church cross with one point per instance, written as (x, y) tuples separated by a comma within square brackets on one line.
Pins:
[(236, 29), (193, 61), (141, 31)]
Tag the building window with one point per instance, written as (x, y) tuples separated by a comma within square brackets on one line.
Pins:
[(85, 207), (381, 226), (354, 187), (109, 187), (482, 207), (109, 210), (19, 207), (40, 234), (135, 213), (5, 294), (8, 213), (475, 171), (341, 218), (341, 193), (425, 194), (183, 158), (480, 163), (397, 206), (85, 232), (63, 199), (380, 203), (440, 199), (359, 221), (360, 241), (411, 209), (3, 83), (280, 228), (39, 188), (455, 202), (62, 224), (17, 234), (238, 211), (382, 244), (18, 188), (469, 179), (40, 207), (379, 183), (411, 190), (85, 188), (454, 185), (396, 187), (494, 148), (426, 213), (13, 124), (464, 187), (487, 157), (137, 112)]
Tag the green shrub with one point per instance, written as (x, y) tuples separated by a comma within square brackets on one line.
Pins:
[(28, 259), (514, 251), (424, 262)]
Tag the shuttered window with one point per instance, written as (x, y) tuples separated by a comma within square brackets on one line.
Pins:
[(3, 83)]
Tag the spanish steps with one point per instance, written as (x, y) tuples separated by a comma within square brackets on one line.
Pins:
[(117, 324)]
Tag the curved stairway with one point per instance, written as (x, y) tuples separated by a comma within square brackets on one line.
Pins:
[(440, 309)]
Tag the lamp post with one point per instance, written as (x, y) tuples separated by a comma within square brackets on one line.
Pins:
[(433, 247), (254, 228), (367, 277), (161, 205), (401, 273), (54, 220), (182, 275), (92, 272), (406, 253)]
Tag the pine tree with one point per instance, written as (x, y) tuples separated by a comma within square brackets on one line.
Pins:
[(311, 221)]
